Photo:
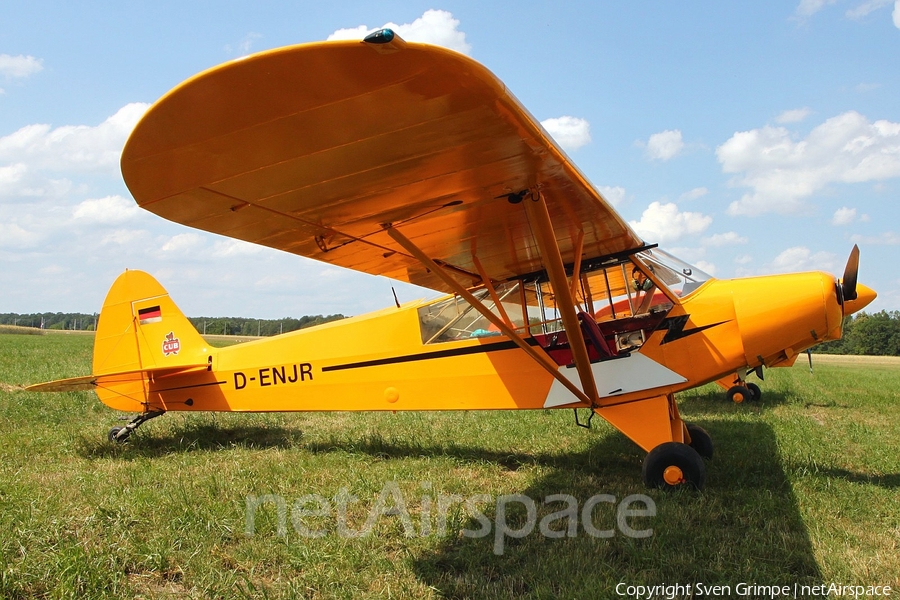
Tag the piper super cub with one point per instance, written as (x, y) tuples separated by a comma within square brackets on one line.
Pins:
[(415, 162)]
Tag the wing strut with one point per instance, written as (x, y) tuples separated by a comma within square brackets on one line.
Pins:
[(491, 290), (576, 269), (542, 359), (539, 217)]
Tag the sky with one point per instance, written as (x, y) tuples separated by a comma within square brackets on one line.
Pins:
[(746, 138)]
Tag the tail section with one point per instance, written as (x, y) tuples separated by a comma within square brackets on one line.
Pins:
[(141, 335), (141, 329)]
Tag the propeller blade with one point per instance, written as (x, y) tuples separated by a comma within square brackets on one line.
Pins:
[(851, 271)]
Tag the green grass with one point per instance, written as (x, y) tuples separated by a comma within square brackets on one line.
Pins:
[(803, 488)]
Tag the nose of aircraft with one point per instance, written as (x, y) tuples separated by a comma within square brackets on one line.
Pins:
[(864, 295)]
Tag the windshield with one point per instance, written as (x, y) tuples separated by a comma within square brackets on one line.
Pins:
[(678, 276)]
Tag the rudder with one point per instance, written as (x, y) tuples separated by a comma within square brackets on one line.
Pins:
[(140, 329)]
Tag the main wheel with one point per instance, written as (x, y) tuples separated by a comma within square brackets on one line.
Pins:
[(755, 392), (672, 465), (738, 394), (700, 441)]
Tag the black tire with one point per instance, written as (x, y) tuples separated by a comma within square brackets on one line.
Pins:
[(755, 392), (700, 441), (115, 432), (673, 465), (738, 394)]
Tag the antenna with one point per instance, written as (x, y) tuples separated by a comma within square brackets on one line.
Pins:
[(397, 302)]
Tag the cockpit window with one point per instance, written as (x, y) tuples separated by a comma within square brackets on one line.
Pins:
[(454, 319), (678, 276)]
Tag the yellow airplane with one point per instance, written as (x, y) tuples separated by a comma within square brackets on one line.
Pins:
[(415, 162)]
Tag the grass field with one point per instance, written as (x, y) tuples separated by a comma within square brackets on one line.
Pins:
[(803, 489)]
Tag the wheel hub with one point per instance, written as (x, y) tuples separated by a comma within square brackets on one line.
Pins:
[(673, 475)]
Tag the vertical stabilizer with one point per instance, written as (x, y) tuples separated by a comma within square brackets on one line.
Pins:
[(141, 328)]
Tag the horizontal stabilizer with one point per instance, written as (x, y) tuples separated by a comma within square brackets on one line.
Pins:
[(90, 382), (73, 384)]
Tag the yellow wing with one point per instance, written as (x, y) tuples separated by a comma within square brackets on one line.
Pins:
[(314, 149)]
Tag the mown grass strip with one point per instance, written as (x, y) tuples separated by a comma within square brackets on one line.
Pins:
[(803, 488)]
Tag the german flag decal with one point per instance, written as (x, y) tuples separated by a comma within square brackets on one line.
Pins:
[(150, 315)]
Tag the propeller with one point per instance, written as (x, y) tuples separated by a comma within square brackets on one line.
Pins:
[(846, 287)]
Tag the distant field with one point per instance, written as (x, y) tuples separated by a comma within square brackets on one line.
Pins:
[(838, 359), (803, 489)]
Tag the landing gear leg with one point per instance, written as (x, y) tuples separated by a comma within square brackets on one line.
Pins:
[(738, 389), (120, 434)]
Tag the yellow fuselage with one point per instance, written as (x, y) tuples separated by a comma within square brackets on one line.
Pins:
[(378, 361)]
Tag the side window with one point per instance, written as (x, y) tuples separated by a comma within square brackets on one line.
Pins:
[(625, 303), (453, 319)]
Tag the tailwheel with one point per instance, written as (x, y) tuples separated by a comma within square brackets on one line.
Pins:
[(700, 441), (673, 465), (755, 392), (119, 435), (114, 435), (739, 393)]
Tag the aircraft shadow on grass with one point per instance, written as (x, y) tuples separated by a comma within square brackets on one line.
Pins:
[(192, 437), (745, 526)]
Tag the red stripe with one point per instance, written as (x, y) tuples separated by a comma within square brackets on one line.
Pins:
[(150, 313)]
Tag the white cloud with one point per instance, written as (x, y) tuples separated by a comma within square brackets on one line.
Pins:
[(11, 175), (663, 223), (14, 236), (352, 33), (843, 216), (614, 195), (107, 211), (707, 267), (793, 116), (801, 258), (19, 66), (230, 248), (783, 172), (863, 88), (78, 148), (182, 243), (570, 132), (664, 145), (724, 239), (247, 43), (743, 259), (885, 239), (896, 14), (436, 27), (807, 8), (865, 8), (126, 237), (695, 193)]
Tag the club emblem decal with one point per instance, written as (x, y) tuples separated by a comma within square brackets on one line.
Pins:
[(171, 345)]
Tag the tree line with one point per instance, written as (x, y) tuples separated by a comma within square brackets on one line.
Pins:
[(872, 334), (260, 327), (76, 321), (208, 325)]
